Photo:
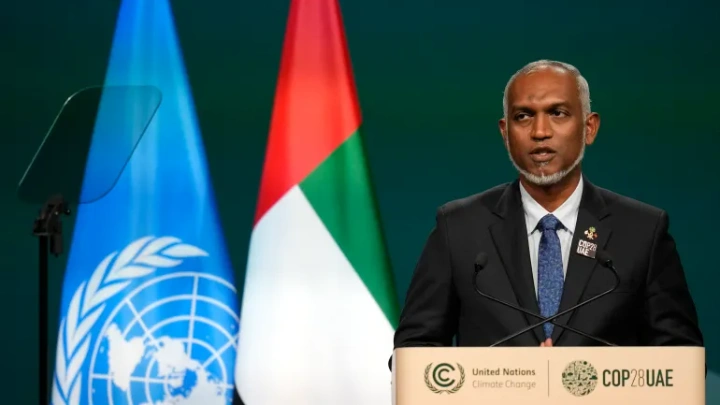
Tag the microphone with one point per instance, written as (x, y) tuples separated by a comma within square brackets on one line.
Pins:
[(602, 258)]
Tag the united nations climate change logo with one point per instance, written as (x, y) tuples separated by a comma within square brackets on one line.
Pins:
[(165, 337), (579, 378), (445, 376)]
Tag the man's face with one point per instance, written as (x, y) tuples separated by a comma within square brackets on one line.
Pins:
[(545, 130)]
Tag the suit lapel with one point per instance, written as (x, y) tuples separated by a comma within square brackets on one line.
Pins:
[(592, 212), (511, 241)]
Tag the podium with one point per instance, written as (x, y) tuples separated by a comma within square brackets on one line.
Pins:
[(548, 375)]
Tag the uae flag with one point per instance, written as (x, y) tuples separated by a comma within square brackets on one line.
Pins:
[(319, 307)]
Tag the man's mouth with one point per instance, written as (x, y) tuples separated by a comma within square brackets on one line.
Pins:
[(542, 155)]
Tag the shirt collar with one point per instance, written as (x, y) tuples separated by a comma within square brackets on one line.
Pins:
[(567, 213)]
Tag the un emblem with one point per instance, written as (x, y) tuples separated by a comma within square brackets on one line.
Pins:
[(165, 338), (444, 376), (579, 378)]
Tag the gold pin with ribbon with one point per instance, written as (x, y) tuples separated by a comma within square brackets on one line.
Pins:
[(591, 234)]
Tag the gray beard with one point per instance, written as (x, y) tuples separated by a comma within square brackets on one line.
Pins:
[(547, 179)]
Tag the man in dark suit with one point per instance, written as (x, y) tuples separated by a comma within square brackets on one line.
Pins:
[(530, 230)]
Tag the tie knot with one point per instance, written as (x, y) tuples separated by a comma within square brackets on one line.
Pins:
[(549, 223)]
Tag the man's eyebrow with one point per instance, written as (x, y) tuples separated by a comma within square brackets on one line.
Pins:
[(525, 107), (520, 107)]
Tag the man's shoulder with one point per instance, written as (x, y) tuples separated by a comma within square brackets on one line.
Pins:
[(481, 201), (625, 206), (487, 200)]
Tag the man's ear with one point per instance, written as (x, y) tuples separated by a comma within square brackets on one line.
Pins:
[(592, 126), (502, 126)]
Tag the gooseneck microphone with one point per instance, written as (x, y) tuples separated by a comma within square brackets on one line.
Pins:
[(602, 258)]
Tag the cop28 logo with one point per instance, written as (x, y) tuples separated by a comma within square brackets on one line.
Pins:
[(579, 378), (445, 376)]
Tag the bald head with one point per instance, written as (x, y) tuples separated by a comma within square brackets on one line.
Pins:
[(583, 89), (547, 122)]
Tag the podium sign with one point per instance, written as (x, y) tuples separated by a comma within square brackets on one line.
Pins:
[(555, 375)]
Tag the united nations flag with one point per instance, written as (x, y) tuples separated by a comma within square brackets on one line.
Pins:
[(149, 309)]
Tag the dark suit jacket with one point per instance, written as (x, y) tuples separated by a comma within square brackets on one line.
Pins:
[(651, 307)]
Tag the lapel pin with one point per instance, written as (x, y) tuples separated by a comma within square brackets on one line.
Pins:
[(591, 234), (585, 247)]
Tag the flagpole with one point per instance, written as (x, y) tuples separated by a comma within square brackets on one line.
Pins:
[(48, 228)]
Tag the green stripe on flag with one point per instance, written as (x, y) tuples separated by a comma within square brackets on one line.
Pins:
[(341, 192)]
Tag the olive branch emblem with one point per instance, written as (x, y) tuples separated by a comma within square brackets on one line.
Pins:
[(443, 381), (140, 258)]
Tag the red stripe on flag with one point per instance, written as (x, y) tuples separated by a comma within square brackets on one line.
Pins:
[(316, 107)]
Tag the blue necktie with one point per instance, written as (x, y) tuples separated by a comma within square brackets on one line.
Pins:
[(550, 270)]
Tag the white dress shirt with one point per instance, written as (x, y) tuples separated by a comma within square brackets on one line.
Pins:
[(567, 214)]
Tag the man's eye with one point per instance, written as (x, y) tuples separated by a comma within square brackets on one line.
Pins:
[(559, 113), (521, 116)]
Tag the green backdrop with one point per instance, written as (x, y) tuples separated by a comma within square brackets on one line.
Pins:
[(430, 77)]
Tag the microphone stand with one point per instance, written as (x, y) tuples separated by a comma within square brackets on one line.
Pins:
[(525, 311), (48, 228), (607, 264)]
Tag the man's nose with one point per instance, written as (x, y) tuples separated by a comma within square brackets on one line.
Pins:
[(541, 127)]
